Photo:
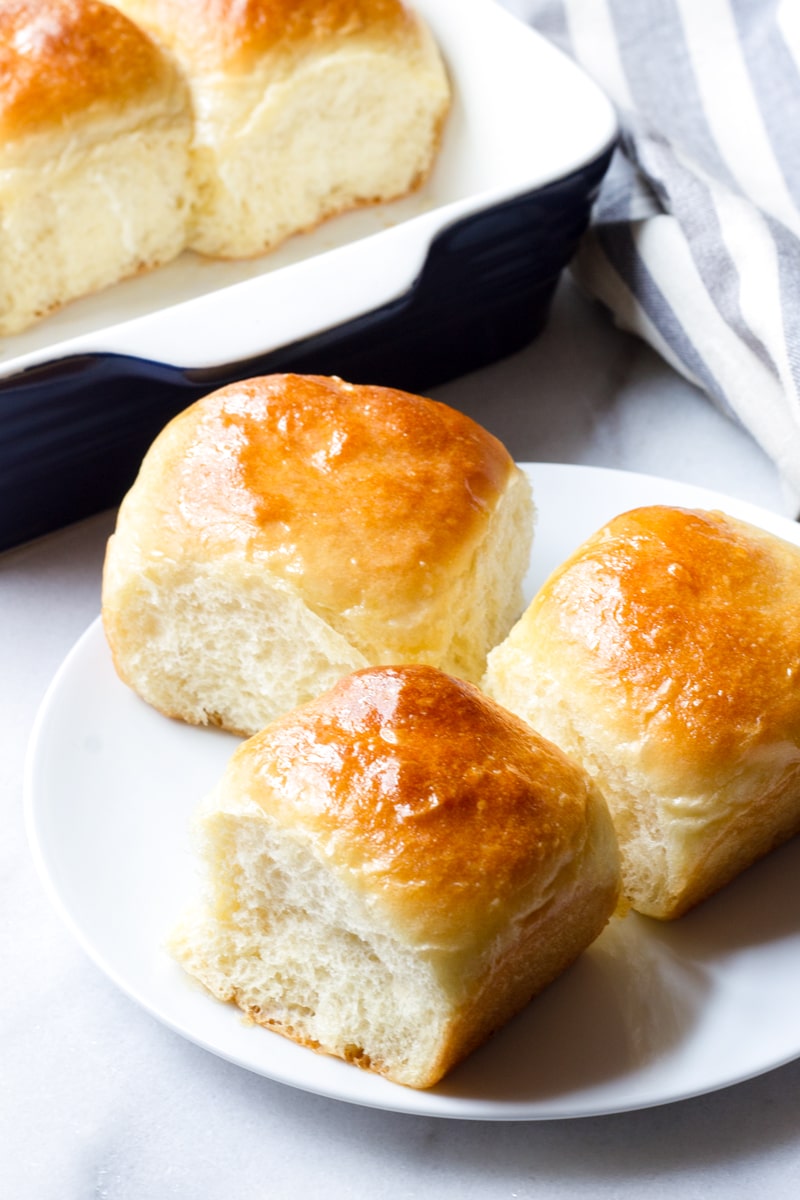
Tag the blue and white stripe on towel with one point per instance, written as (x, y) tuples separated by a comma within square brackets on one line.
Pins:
[(695, 240)]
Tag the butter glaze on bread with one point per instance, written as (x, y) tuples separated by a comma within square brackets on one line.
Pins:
[(219, 34), (302, 109), (394, 870), (287, 530), (665, 656), (94, 142)]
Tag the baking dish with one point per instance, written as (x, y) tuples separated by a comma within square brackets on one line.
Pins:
[(409, 294)]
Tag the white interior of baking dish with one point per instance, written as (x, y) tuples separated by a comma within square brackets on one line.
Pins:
[(523, 115)]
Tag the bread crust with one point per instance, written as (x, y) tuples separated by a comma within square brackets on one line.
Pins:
[(361, 496), (287, 530), (462, 850), (448, 810), (232, 34), (76, 62), (665, 654)]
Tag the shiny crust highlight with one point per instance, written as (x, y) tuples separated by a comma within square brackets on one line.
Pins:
[(664, 655), (71, 59)]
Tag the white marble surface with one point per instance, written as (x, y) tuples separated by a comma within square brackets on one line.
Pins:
[(99, 1100)]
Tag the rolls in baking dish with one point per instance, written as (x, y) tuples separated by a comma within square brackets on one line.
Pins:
[(130, 132), (302, 109), (95, 132)]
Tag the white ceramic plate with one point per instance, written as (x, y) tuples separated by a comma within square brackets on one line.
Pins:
[(651, 1013)]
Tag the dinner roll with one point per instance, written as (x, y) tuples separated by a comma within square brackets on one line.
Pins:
[(664, 655), (394, 870), (287, 530), (94, 141), (303, 109)]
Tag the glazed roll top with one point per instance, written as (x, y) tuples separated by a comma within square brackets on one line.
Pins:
[(665, 655), (63, 62), (289, 529), (395, 869)]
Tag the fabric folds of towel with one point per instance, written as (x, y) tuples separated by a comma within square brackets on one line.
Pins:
[(695, 238)]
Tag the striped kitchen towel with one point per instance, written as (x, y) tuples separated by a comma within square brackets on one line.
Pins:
[(695, 239)]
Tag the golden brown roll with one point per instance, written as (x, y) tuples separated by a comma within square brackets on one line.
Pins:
[(94, 141), (287, 530), (394, 870), (303, 109), (664, 655)]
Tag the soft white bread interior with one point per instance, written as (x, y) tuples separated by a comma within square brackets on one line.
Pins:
[(289, 529), (303, 109), (664, 655), (394, 870), (95, 129)]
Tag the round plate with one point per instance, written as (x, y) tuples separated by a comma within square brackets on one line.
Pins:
[(650, 1013)]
